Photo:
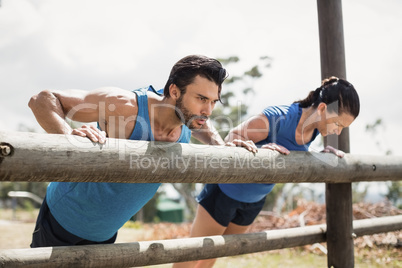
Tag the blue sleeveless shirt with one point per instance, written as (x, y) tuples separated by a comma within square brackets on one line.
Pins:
[(283, 121), (96, 211)]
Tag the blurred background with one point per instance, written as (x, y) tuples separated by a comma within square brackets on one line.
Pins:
[(270, 49)]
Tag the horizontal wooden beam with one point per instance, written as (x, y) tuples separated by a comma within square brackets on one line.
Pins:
[(51, 157), (177, 250)]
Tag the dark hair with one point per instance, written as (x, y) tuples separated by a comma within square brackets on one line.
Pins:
[(334, 89), (186, 69)]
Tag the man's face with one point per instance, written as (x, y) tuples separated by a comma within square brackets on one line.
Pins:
[(195, 106)]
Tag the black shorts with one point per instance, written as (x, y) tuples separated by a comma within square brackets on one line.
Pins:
[(49, 233), (225, 209)]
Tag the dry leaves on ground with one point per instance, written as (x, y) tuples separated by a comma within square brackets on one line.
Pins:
[(306, 213)]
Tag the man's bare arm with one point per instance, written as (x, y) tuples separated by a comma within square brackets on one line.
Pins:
[(51, 108)]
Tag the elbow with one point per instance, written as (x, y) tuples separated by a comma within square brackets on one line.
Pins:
[(42, 100), (39, 99), (32, 101)]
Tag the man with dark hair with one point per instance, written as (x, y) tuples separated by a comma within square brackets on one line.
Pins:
[(92, 213)]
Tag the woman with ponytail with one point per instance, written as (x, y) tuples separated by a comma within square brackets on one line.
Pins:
[(231, 208)]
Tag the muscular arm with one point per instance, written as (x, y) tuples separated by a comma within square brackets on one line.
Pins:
[(52, 107)]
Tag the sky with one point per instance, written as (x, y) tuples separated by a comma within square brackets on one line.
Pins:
[(86, 44)]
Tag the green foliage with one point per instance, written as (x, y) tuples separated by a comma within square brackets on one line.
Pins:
[(228, 60), (149, 212), (395, 193), (237, 94), (133, 225), (187, 191), (254, 72), (296, 257), (37, 188), (376, 130), (301, 257), (272, 197), (27, 205), (374, 127)]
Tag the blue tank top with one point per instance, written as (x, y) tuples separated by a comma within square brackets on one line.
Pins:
[(283, 121), (96, 211)]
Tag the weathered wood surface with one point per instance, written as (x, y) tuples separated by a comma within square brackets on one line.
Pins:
[(50, 157), (168, 251), (339, 219), (338, 196)]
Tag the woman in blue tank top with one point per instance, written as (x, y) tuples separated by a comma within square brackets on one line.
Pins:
[(231, 208)]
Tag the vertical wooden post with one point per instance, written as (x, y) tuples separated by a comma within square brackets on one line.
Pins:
[(338, 196)]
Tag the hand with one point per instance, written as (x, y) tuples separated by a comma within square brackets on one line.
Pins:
[(249, 145), (276, 147), (330, 149), (91, 132)]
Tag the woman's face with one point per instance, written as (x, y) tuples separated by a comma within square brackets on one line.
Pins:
[(333, 123)]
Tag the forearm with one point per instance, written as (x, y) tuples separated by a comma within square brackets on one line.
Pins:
[(208, 135), (254, 129), (49, 113), (234, 136)]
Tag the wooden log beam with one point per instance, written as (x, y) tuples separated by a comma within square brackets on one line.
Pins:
[(339, 210), (168, 251), (377, 225), (51, 157)]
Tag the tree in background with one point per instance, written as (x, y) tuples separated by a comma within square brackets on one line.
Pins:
[(237, 95), (395, 193), (377, 130), (188, 192)]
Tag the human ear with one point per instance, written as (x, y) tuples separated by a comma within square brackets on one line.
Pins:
[(322, 108), (174, 92)]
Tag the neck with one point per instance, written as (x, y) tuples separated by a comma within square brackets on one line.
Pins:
[(164, 118), (308, 121)]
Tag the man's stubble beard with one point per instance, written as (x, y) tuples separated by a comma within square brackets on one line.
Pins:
[(185, 116)]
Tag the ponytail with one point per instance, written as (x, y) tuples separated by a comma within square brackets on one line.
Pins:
[(333, 90), (311, 99)]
